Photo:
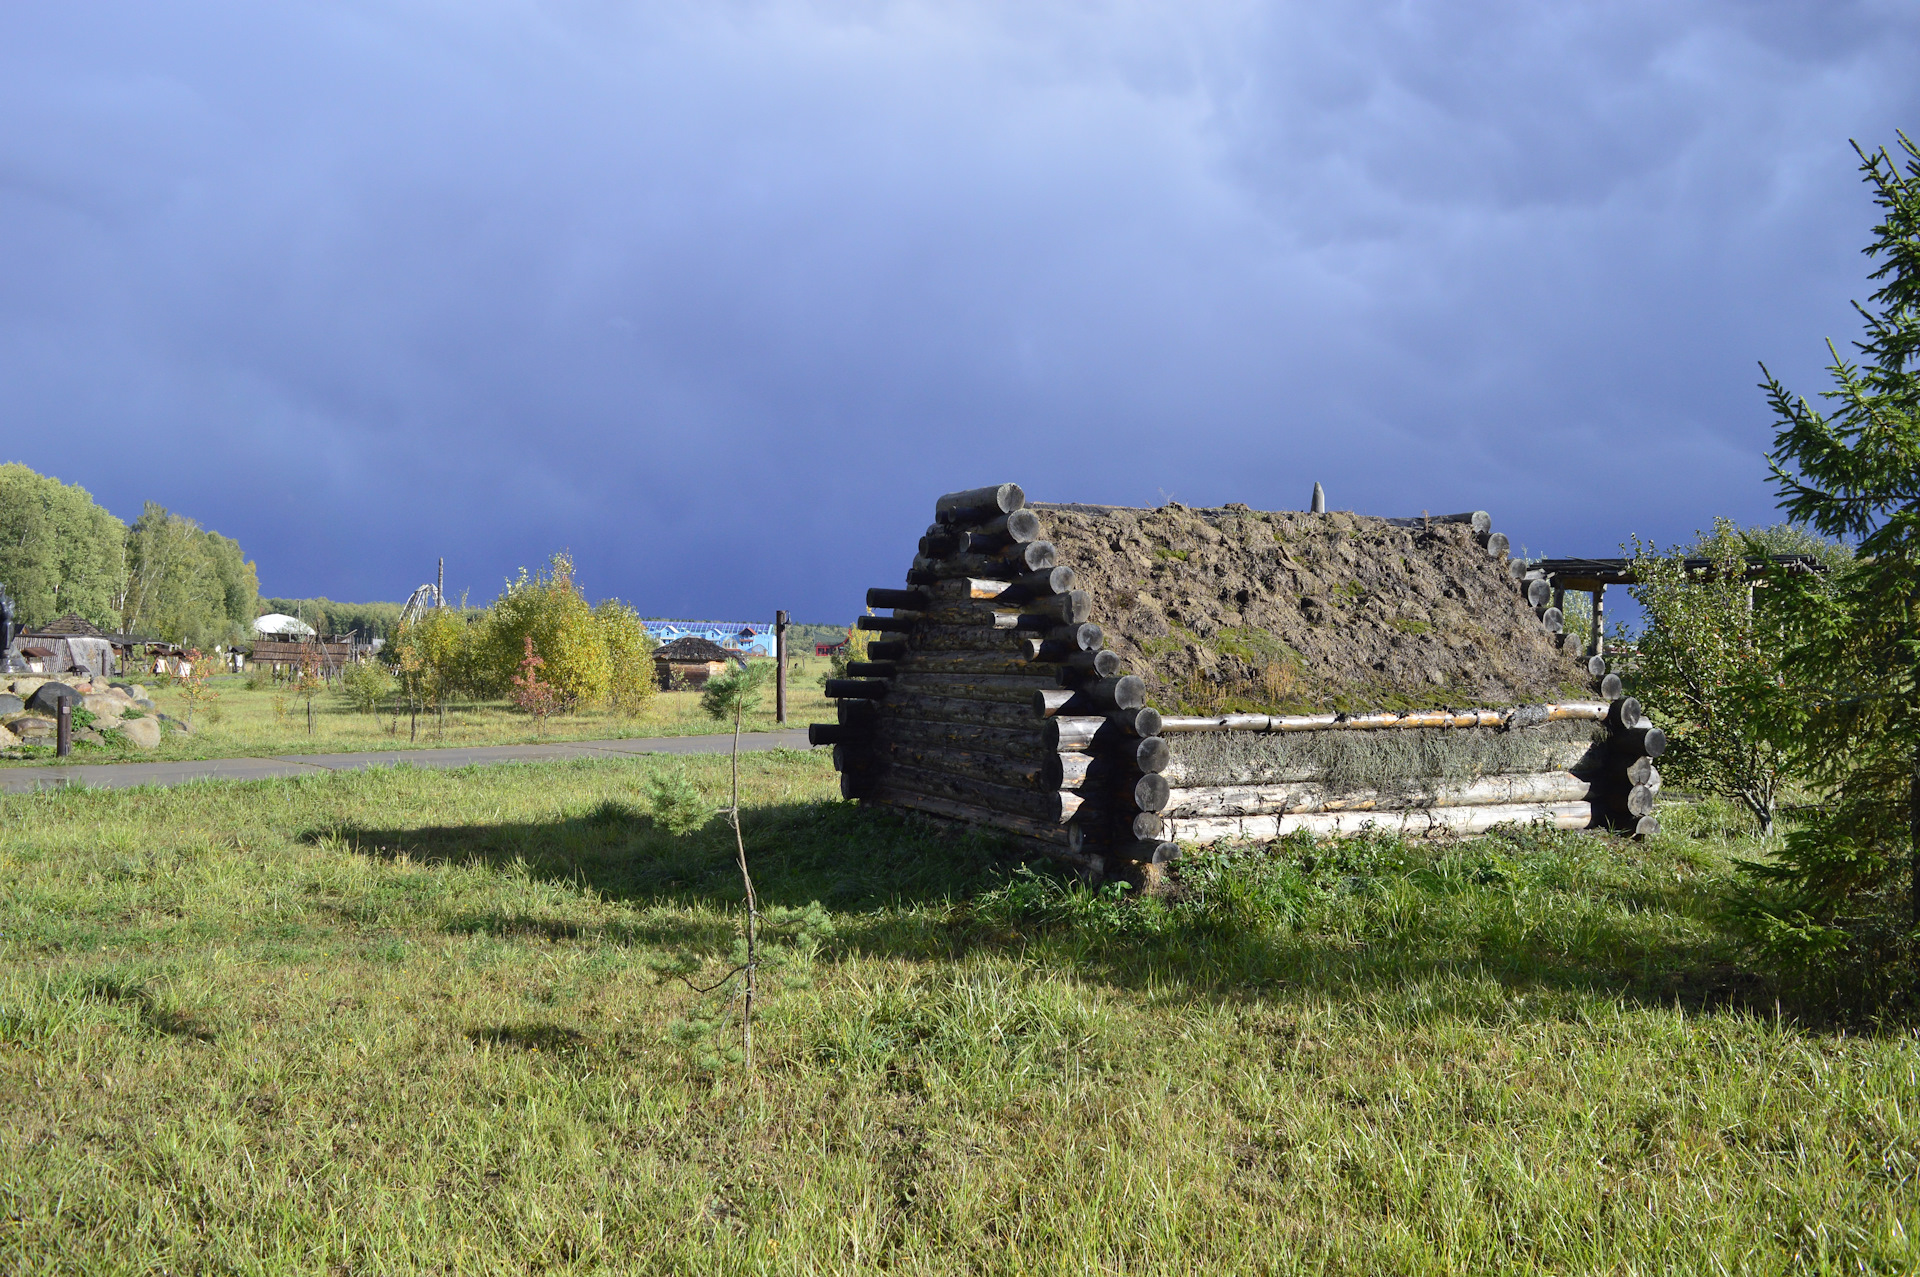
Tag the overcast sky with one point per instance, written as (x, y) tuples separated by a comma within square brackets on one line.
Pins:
[(722, 295)]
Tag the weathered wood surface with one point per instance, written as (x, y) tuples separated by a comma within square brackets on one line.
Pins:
[(1101, 664), (1064, 838), (1625, 712), (959, 736), (1089, 771), (833, 734), (964, 589), (1041, 585), (1016, 527), (1171, 724), (1014, 560), (1097, 696), (1040, 615), (1070, 732), (1482, 521), (979, 505), (1049, 806), (1539, 592), (886, 649), (912, 600), (870, 689), (1433, 820), (1061, 642), (949, 709), (972, 638), (966, 664), (1278, 799), (1640, 742), (872, 669), (1141, 722), (1010, 689), (1027, 769)]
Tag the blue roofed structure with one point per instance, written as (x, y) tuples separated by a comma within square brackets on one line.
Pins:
[(735, 636)]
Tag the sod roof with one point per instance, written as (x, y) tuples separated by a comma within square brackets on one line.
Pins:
[(1234, 609)]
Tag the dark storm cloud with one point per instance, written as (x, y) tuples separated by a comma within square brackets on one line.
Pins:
[(721, 295)]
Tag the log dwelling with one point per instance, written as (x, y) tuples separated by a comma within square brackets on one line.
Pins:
[(689, 662), (1106, 684)]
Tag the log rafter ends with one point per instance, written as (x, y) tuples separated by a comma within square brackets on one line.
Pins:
[(979, 505)]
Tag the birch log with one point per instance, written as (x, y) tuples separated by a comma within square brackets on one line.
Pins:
[(1434, 820)]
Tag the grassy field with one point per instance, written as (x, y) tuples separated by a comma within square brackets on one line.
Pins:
[(249, 722), (401, 1021)]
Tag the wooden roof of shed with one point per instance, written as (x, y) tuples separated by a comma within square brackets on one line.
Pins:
[(72, 625)]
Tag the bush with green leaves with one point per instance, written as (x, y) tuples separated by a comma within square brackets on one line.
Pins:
[(631, 684), (1708, 667), (368, 685), (549, 608), (435, 656)]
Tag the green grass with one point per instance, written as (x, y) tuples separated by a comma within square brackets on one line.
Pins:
[(255, 722), (422, 1021)]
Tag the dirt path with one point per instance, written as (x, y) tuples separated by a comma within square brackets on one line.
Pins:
[(126, 775)]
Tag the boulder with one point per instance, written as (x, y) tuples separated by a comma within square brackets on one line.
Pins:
[(144, 703), (105, 706), (33, 730), (175, 724), (141, 733), (10, 704), (28, 684), (47, 697)]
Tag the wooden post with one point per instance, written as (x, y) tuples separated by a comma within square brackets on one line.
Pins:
[(63, 727), (1597, 645), (780, 667)]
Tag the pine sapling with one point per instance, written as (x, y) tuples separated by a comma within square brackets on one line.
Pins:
[(732, 695)]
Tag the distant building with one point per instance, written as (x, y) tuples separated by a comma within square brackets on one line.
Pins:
[(735, 636), (690, 661), (72, 643)]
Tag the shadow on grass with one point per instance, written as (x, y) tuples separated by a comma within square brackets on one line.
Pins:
[(153, 1015), (1530, 910)]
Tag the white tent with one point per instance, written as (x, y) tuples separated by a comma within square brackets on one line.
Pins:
[(279, 625)]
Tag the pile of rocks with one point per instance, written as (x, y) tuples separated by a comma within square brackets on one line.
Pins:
[(122, 713)]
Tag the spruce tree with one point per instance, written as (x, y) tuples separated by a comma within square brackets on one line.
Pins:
[(1841, 904)]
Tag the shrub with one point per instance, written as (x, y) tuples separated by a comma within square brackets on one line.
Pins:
[(368, 685), (549, 609), (1710, 666), (435, 656), (630, 682), (677, 805)]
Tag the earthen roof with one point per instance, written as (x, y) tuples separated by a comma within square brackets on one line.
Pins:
[(691, 648)]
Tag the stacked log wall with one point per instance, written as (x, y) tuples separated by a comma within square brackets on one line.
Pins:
[(989, 698)]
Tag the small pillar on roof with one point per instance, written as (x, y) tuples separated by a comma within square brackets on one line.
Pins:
[(1319, 505)]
